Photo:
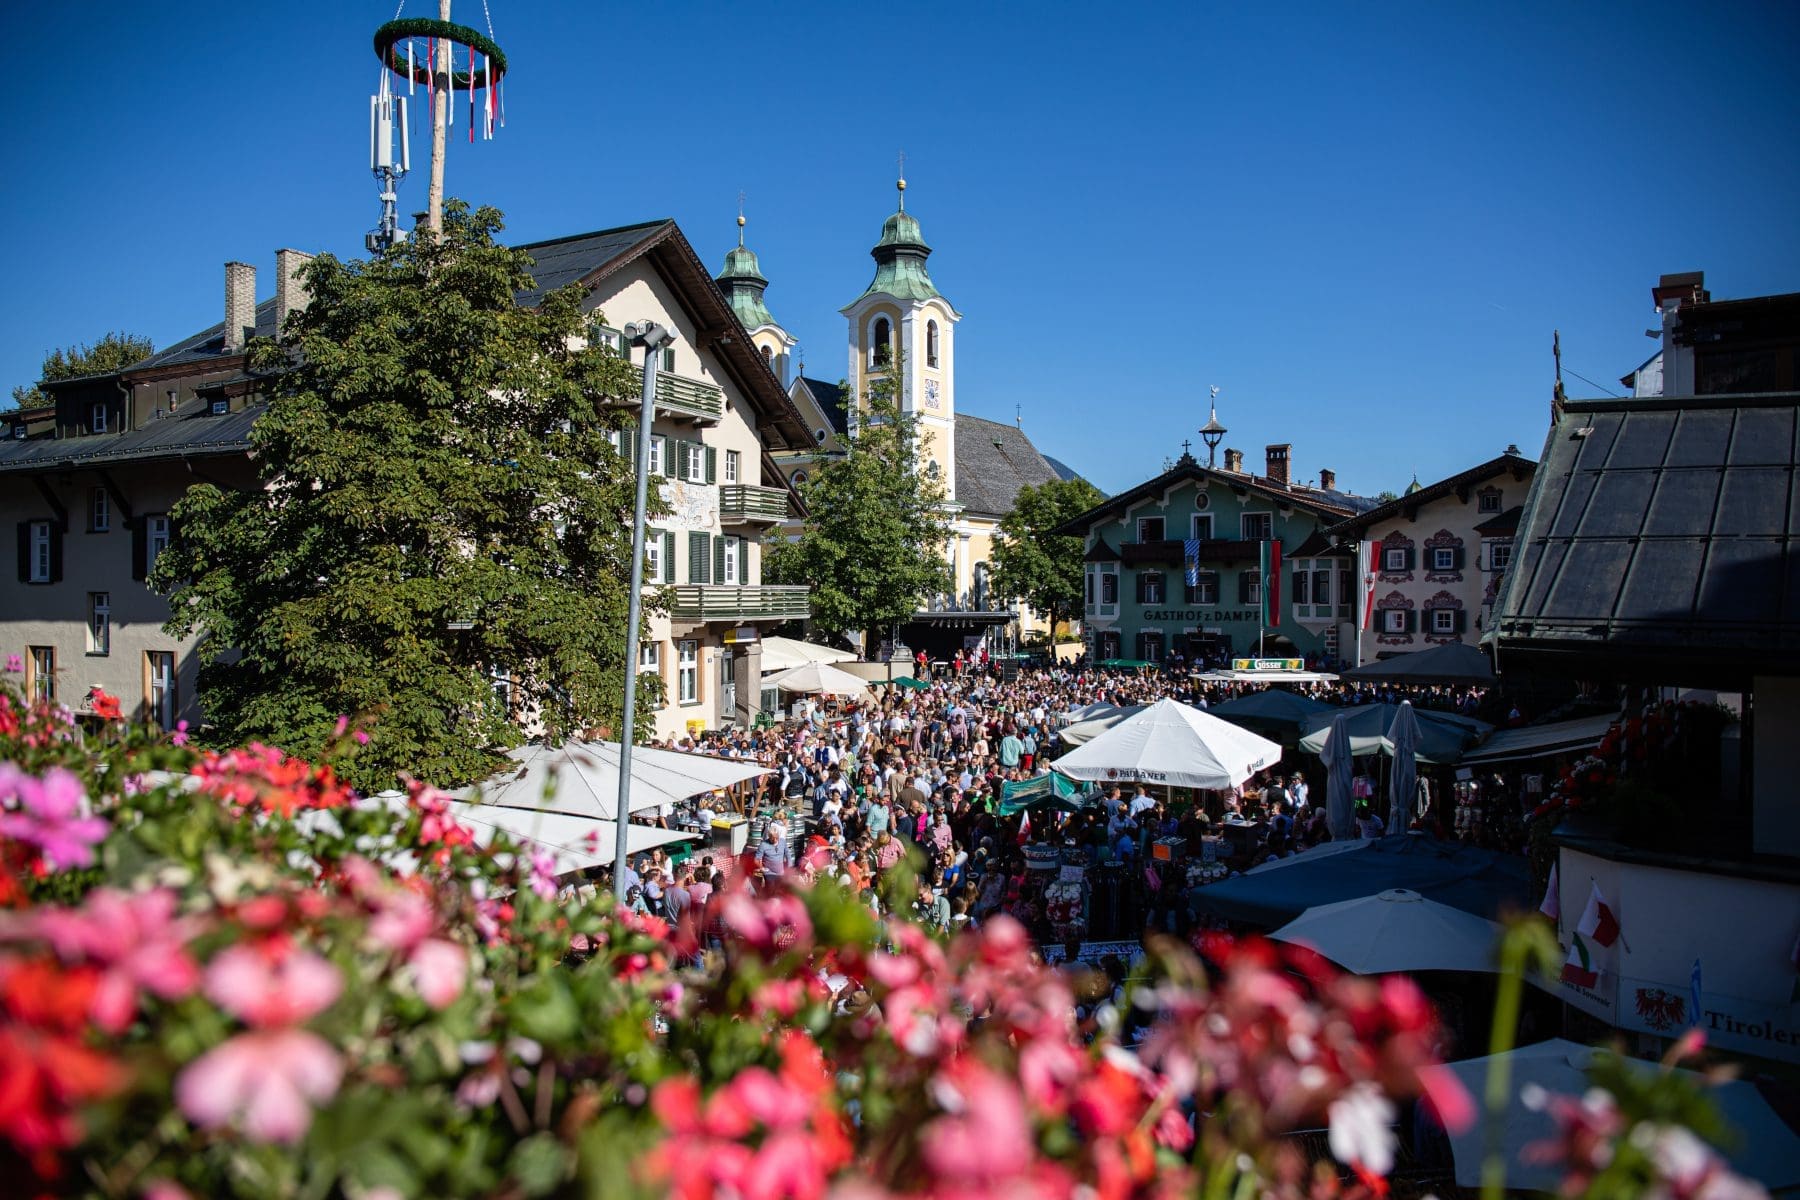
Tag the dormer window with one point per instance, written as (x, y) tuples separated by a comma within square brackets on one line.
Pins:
[(219, 406), (97, 417), (18, 431), (881, 343)]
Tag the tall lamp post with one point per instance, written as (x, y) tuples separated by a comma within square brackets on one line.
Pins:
[(652, 337)]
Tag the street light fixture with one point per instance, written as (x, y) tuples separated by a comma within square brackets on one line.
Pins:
[(1212, 433), (652, 337)]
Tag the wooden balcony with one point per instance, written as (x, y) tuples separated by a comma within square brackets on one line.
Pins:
[(731, 602), (747, 504), (679, 398)]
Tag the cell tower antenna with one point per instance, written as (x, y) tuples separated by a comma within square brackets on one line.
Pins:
[(389, 161)]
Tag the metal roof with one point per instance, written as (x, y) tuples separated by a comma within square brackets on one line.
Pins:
[(198, 433), (1658, 542)]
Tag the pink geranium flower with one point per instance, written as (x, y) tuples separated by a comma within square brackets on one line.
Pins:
[(137, 939), (266, 1080), (437, 968), (50, 815), (271, 984)]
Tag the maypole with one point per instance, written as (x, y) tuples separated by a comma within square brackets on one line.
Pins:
[(394, 46)]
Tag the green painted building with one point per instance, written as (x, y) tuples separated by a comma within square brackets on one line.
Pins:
[(1140, 602)]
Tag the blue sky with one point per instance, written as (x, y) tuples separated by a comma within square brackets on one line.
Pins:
[(1361, 222)]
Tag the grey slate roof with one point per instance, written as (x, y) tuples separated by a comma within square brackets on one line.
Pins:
[(830, 399), (1661, 540), (562, 261), (988, 477), (196, 434)]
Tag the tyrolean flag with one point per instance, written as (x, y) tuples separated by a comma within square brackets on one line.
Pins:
[(1368, 561), (1271, 589)]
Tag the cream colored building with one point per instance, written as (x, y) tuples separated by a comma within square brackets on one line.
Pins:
[(87, 483), (1444, 549)]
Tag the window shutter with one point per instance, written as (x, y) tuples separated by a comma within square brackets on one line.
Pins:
[(1462, 620), (25, 552), (1411, 558), (1456, 558), (1243, 587), (668, 556), (139, 550), (1139, 584), (56, 551), (697, 559), (1412, 620), (712, 464), (718, 545)]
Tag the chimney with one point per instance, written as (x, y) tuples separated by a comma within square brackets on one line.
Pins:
[(1276, 458), (290, 291), (1234, 461), (1327, 480), (240, 304)]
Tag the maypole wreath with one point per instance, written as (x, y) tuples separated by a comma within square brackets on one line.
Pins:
[(486, 66)]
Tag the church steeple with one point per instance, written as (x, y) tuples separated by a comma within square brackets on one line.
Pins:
[(900, 258), (743, 283)]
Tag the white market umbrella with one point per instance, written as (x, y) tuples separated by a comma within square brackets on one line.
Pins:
[(1172, 744), (575, 842), (784, 654), (582, 778), (1397, 930), (1768, 1151), (1402, 780), (819, 679), (1090, 727), (1340, 809)]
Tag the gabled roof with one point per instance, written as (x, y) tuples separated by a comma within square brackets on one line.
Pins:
[(830, 399), (1186, 469), (1510, 463), (1101, 552), (1660, 543), (590, 258), (993, 461)]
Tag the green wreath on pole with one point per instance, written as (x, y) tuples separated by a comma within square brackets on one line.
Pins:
[(389, 37)]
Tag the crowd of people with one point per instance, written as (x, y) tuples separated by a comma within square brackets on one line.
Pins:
[(853, 785)]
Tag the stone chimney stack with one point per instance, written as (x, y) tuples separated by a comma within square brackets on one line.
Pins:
[(1276, 458), (290, 292), (240, 304), (1327, 480), (1234, 461)]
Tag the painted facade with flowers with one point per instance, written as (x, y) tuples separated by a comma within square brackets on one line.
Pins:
[(1444, 549)]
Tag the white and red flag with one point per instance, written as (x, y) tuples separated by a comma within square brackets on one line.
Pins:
[(1368, 565), (1598, 929)]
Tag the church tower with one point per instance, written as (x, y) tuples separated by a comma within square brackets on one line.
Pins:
[(743, 283), (901, 318)]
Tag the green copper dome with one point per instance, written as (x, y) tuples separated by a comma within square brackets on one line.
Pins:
[(900, 261), (743, 283)]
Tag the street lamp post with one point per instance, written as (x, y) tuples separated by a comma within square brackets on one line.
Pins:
[(652, 337)]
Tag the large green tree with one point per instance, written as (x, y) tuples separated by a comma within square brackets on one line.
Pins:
[(114, 352), (440, 507), (1034, 565), (873, 546)]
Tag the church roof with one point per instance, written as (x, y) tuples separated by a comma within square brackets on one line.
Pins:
[(830, 399), (900, 262), (993, 461), (743, 283)]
